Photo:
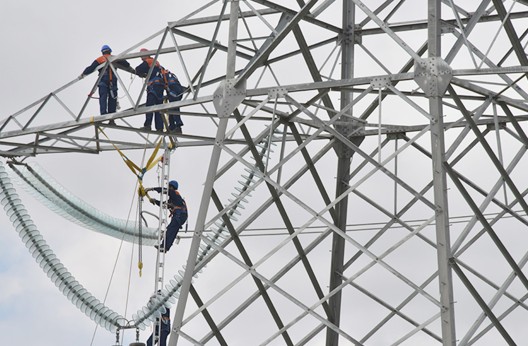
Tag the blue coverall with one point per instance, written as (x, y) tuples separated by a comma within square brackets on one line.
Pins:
[(108, 83), (164, 330), (178, 209), (175, 94), (155, 88)]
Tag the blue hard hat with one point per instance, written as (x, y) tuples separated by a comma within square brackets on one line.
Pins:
[(174, 184), (106, 48)]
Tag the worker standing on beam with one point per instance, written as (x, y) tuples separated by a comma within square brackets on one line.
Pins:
[(161, 80), (155, 87), (174, 93), (178, 212), (108, 81)]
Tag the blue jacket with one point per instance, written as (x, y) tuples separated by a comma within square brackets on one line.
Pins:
[(176, 204), (109, 75), (143, 68)]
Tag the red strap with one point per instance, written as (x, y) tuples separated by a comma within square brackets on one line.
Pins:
[(101, 60)]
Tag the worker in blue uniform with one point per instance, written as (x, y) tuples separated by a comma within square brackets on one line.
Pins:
[(108, 82), (155, 87), (164, 330), (174, 93), (178, 212)]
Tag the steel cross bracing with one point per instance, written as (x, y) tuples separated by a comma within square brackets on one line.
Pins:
[(382, 150)]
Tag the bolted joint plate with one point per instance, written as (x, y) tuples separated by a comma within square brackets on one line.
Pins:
[(276, 93), (433, 75), (349, 35), (227, 96), (380, 82)]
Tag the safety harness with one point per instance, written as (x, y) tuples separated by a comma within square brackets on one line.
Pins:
[(103, 59), (165, 77), (174, 208)]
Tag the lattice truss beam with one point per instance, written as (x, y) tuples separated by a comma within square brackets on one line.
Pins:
[(344, 145)]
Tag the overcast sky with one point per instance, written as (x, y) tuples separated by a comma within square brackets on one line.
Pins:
[(45, 45)]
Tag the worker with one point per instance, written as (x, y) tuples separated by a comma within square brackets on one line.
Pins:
[(155, 87), (174, 93), (108, 82), (178, 212), (164, 330)]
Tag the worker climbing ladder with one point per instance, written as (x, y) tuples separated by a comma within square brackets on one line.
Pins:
[(163, 214)]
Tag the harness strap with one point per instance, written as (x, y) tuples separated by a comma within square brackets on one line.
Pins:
[(102, 59), (183, 208), (139, 172), (157, 80)]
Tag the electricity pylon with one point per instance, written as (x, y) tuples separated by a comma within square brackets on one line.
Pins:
[(366, 179)]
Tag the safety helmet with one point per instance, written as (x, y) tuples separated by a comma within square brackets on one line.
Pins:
[(144, 50), (174, 184), (106, 48)]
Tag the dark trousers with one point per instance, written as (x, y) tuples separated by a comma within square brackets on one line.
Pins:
[(107, 98), (154, 97), (177, 221), (174, 119)]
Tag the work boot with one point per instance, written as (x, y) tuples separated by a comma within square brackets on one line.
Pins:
[(177, 130), (111, 122), (146, 128)]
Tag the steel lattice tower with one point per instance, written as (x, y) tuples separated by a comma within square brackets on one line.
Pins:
[(366, 169)]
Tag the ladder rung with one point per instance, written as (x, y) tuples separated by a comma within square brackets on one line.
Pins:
[(237, 197), (235, 211), (241, 191), (237, 204), (245, 183), (247, 177)]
